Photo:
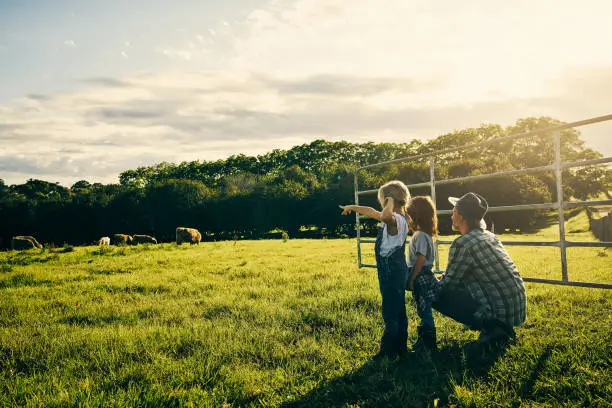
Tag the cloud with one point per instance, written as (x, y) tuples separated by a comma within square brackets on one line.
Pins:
[(298, 70), (345, 85), (125, 113), (11, 164), (473, 48), (185, 54), (38, 97), (70, 43), (117, 124), (106, 81), (8, 126)]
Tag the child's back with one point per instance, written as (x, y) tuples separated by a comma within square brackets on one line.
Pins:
[(421, 243), (390, 250), (390, 241), (421, 257)]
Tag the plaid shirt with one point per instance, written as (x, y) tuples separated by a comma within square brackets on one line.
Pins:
[(478, 261), (426, 289)]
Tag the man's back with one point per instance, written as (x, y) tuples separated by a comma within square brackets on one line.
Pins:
[(479, 261)]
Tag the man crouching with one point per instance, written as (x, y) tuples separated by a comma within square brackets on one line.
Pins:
[(481, 287)]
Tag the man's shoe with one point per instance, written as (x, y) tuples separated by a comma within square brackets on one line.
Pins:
[(495, 337), (493, 329)]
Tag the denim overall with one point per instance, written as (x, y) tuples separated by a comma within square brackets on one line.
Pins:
[(392, 274)]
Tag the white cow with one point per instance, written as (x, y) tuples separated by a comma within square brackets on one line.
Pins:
[(104, 241)]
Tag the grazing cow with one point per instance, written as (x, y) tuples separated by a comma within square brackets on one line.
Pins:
[(104, 241), (190, 235), (143, 239), (121, 239), (21, 242)]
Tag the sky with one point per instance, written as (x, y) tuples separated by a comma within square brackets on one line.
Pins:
[(89, 89)]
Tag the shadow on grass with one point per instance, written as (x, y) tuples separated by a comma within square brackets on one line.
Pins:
[(414, 380), (527, 388), (23, 279), (549, 219), (25, 258)]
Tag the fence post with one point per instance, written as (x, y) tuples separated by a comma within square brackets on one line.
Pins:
[(607, 227), (601, 229), (357, 226), (432, 185), (559, 169)]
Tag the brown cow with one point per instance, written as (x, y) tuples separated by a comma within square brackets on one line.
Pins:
[(190, 235), (121, 239), (143, 239)]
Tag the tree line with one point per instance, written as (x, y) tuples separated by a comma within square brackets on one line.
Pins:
[(297, 190)]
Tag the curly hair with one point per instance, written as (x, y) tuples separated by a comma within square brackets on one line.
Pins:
[(395, 189), (422, 215)]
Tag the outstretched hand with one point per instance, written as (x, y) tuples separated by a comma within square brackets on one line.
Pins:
[(346, 209)]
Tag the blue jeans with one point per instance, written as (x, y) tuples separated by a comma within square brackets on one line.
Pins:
[(459, 305), (392, 273), (425, 291), (427, 318)]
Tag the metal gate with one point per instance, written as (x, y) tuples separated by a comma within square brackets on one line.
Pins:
[(557, 166)]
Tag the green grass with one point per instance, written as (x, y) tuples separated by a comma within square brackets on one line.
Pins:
[(273, 323)]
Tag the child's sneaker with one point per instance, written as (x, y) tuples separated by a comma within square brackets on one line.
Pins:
[(426, 339)]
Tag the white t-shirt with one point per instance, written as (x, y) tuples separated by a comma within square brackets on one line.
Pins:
[(390, 242), (421, 243)]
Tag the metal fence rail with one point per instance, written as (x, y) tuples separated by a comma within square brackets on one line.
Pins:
[(560, 205)]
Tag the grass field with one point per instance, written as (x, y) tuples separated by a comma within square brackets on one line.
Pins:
[(273, 323)]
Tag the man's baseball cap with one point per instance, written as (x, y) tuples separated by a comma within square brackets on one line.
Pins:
[(471, 206)]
